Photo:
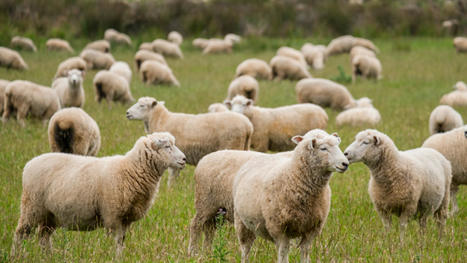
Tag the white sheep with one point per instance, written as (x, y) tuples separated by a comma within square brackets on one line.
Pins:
[(12, 59), (25, 97), (288, 68), (167, 48), (315, 55), (366, 66), (285, 197), (96, 59), (111, 87), (154, 72), (72, 130), (175, 37), (114, 36), (216, 45), (325, 93), (457, 97), (365, 43), (344, 44), (3, 84), (215, 107), (123, 69), (200, 43), (246, 86), (23, 43), (70, 89), (362, 114), (292, 53), (56, 44), (69, 64), (145, 46), (444, 118), (99, 45), (197, 135), (359, 50), (453, 145), (406, 183), (460, 43), (84, 193), (254, 67), (143, 55), (273, 127), (233, 38)]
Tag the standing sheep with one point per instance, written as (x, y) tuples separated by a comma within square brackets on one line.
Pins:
[(84, 193), (200, 43), (367, 67), (288, 68), (145, 46), (114, 36), (362, 114), (23, 43), (3, 84), (342, 44), (218, 46), (99, 45), (70, 90), (69, 64), (56, 44), (460, 43), (409, 183), (11, 59), (143, 55), (72, 130), (96, 59), (457, 97), (257, 68), (359, 50), (123, 69), (246, 86), (233, 38), (111, 87), (166, 48), (153, 72), (292, 53), (444, 118), (175, 37), (315, 56)]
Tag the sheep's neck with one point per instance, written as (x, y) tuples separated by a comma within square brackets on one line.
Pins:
[(156, 118), (309, 179), (383, 169)]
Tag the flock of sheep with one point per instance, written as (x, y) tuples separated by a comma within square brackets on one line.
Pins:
[(279, 196)]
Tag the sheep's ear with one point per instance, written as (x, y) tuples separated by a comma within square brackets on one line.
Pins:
[(297, 139), (153, 104), (465, 133), (228, 103), (313, 143), (249, 102), (337, 136), (377, 140)]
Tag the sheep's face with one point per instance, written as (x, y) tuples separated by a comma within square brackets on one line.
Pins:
[(366, 145), (364, 102), (140, 111), (461, 86), (163, 143), (240, 104), (75, 77)]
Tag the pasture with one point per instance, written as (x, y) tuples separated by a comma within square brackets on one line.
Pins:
[(416, 73)]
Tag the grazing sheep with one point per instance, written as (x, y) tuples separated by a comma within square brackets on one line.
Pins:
[(246, 86), (70, 89), (197, 135), (273, 127), (288, 68), (444, 118), (166, 48), (344, 44), (146, 46), (200, 43), (69, 64), (12, 59), (460, 43), (25, 97), (216, 45), (153, 72), (72, 130), (84, 193), (96, 59), (362, 114), (123, 69), (233, 38), (292, 53), (405, 183), (114, 36), (175, 37), (315, 56), (366, 66), (282, 198), (457, 97), (143, 55), (56, 44), (3, 84), (325, 93), (363, 51), (23, 43), (99, 45), (453, 145), (254, 67), (365, 43), (111, 87), (215, 107)]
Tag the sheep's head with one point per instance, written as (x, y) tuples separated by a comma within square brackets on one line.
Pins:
[(75, 77), (163, 143), (140, 110), (367, 146), (461, 86), (239, 104), (364, 102)]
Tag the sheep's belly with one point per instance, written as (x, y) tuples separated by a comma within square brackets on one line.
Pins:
[(258, 227), (79, 223)]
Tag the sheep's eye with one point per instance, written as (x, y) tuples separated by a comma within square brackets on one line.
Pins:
[(167, 146), (323, 149), (364, 142)]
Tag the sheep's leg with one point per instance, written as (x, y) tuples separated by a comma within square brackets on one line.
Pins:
[(195, 230), (45, 231), (173, 175), (282, 246), (23, 231), (6, 111), (424, 213), (442, 213), (385, 218), (406, 214), (454, 206), (245, 238), (305, 244), (21, 115), (119, 237)]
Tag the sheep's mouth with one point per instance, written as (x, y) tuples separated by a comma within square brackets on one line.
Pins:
[(129, 116), (341, 170), (181, 164)]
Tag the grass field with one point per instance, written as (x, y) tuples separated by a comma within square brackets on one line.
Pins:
[(416, 74)]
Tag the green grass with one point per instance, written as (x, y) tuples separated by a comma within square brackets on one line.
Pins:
[(416, 74)]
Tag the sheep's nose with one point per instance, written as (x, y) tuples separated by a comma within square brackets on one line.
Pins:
[(345, 164), (184, 159), (346, 154)]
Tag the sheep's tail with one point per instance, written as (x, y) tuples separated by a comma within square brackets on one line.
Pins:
[(138, 64), (63, 135)]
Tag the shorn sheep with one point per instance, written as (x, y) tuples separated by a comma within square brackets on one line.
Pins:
[(366, 66), (453, 145), (23, 43), (457, 97), (114, 36), (70, 89), (283, 198), (143, 55), (167, 48), (123, 69), (444, 118), (72, 130), (246, 86), (11, 59), (84, 193), (96, 59), (362, 114), (25, 97), (3, 84), (288, 68), (99, 45), (111, 87), (315, 55), (154, 72), (197, 135), (325, 93), (56, 44), (273, 127), (460, 43), (69, 64), (175, 37), (408, 184), (254, 67)]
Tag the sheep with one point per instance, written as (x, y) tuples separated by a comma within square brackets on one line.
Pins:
[(246, 86), (344, 44), (143, 55), (56, 44), (365, 43), (145, 46), (112, 35), (453, 145), (72, 130), (111, 87), (287, 68), (273, 127), (215, 107), (460, 43), (153, 72), (200, 43), (292, 53), (25, 97), (23, 43), (366, 66), (197, 135), (3, 84), (282, 198), (123, 69), (254, 67), (84, 193), (69, 64), (218, 46), (362, 114), (96, 59), (457, 97), (235, 39), (70, 89), (451, 26), (359, 50), (12, 59), (166, 48), (175, 37), (405, 183), (444, 118), (325, 93), (99, 45), (315, 56)]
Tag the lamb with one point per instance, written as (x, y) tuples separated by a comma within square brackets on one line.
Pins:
[(69, 64), (254, 67), (292, 53), (283, 198), (25, 97), (359, 50), (56, 44), (72, 130), (112, 35), (153, 72), (23, 43), (273, 127), (366, 66), (12, 59), (453, 145), (460, 43), (123, 69), (235, 39), (215, 107), (246, 86), (175, 37), (166, 48), (99, 45), (218, 46), (3, 84), (325, 93), (406, 183), (457, 97), (287, 68), (315, 56), (143, 55), (96, 59), (146, 46), (199, 135), (200, 43), (84, 193), (111, 87), (444, 118), (70, 89), (363, 114)]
